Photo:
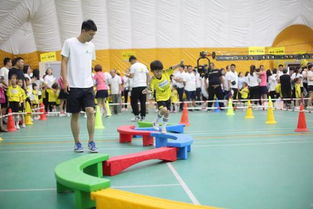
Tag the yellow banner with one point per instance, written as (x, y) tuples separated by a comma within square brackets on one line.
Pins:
[(127, 54), (256, 50), (276, 50), (48, 57)]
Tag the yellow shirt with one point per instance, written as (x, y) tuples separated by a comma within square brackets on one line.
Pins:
[(162, 87), (23, 95), (174, 96), (244, 92), (14, 93), (52, 95), (298, 90), (35, 98)]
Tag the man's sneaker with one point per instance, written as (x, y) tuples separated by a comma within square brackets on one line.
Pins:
[(135, 119), (163, 130), (142, 118), (17, 126), (92, 147), (156, 126), (78, 147)]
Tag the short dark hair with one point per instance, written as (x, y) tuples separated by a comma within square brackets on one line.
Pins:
[(89, 25), (98, 68), (131, 58), (156, 65), (280, 65), (33, 85), (6, 60), (16, 60), (233, 65), (310, 66)]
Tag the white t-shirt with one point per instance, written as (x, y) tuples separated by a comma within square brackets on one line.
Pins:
[(272, 82), (80, 56), (5, 73), (179, 75), (310, 78), (232, 77), (190, 82), (115, 84), (139, 71), (299, 75), (198, 80), (49, 80), (253, 80)]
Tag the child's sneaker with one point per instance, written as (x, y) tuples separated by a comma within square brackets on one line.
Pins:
[(23, 125), (92, 147), (163, 130), (17, 126), (78, 147), (156, 126), (135, 119)]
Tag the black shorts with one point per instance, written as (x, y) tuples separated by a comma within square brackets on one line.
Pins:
[(63, 95), (263, 90), (310, 88), (79, 99), (15, 106), (166, 104), (102, 94), (191, 95), (21, 107)]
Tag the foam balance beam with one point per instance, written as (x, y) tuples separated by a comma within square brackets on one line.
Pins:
[(179, 128), (118, 199), (128, 131), (145, 124), (181, 141), (117, 164), (82, 175)]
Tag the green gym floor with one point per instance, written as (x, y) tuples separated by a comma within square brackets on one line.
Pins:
[(235, 163)]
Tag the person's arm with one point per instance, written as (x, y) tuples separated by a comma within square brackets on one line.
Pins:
[(64, 62)]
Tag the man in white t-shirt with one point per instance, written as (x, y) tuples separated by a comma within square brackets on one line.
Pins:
[(77, 55), (4, 71), (234, 81), (179, 77), (115, 83), (140, 77), (190, 86)]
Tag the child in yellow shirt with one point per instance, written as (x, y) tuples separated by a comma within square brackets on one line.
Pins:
[(244, 92), (161, 84), (14, 94), (297, 90), (52, 99), (175, 100)]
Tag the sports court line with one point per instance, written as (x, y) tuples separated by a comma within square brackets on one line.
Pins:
[(196, 137), (253, 144), (116, 187), (183, 184)]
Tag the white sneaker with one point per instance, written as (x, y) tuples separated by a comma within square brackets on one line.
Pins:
[(156, 126), (17, 126), (23, 125), (163, 130), (135, 119)]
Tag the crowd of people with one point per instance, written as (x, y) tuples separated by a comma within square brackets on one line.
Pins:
[(21, 84)]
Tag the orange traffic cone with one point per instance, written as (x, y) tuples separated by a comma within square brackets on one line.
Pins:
[(10, 123), (43, 114), (301, 121), (184, 117)]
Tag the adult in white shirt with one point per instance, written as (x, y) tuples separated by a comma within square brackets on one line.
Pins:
[(310, 83), (179, 77), (234, 81), (272, 83), (77, 55), (115, 83), (190, 86), (253, 83), (140, 76), (4, 71)]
